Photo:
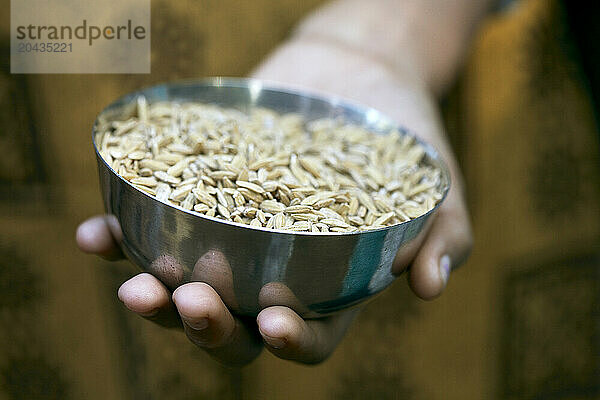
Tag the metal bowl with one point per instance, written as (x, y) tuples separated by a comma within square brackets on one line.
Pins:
[(252, 268)]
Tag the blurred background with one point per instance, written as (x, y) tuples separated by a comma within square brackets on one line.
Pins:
[(521, 320)]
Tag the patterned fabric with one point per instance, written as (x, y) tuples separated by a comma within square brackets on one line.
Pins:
[(519, 321)]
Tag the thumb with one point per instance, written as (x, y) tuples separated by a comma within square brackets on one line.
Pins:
[(446, 247)]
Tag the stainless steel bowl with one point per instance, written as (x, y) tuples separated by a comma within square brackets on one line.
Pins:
[(252, 268)]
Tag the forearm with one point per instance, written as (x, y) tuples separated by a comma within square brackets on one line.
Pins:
[(394, 56), (426, 38)]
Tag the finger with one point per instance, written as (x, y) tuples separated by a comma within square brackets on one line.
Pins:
[(290, 337), (447, 245), (100, 235), (209, 324), (149, 298)]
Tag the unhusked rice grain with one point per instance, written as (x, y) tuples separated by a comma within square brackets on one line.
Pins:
[(270, 170)]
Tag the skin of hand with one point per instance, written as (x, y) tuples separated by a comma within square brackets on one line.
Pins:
[(395, 56)]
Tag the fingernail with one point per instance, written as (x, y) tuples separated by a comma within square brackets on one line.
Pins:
[(276, 343), (196, 324), (445, 268)]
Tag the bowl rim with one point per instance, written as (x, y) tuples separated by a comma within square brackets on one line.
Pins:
[(290, 89)]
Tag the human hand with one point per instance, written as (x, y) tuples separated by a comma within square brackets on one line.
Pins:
[(201, 312), (234, 340)]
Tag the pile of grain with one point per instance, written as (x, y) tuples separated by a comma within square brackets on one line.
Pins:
[(270, 170)]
